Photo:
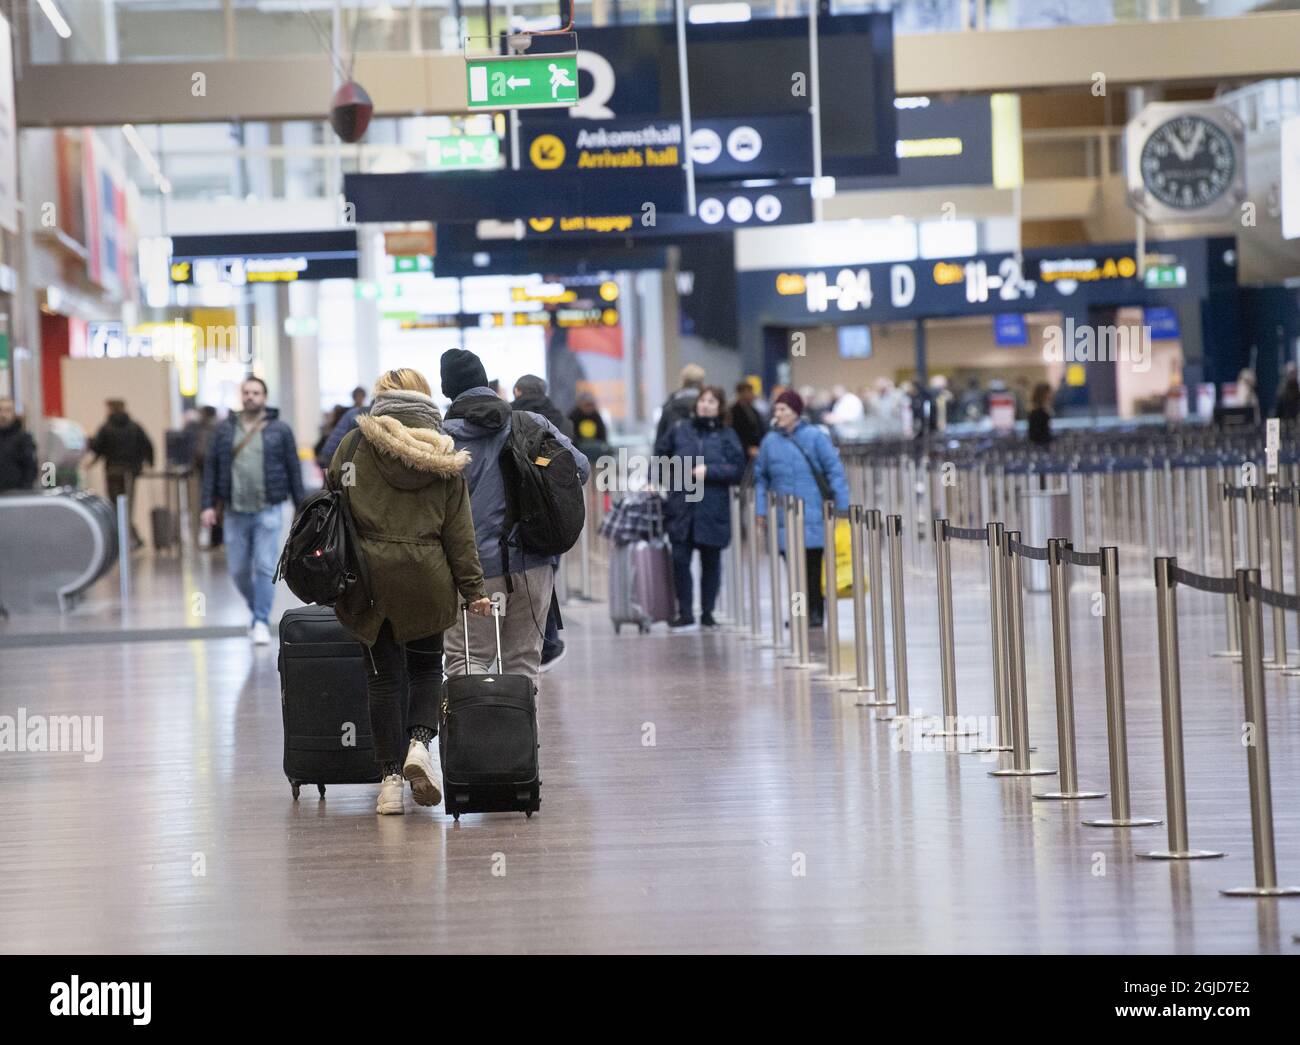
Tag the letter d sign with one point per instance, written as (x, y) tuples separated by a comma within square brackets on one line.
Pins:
[(902, 286)]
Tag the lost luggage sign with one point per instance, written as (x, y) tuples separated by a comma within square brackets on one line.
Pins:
[(548, 81)]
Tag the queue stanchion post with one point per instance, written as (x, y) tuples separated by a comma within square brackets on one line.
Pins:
[(735, 572), (1250, 608), (1116, 726), (894, 535), (123, 550), (1149, 510), (1063, 674), (830, 579), (875, 590), (857, 523), (1077, 523), (1018, 696), (790, 650), (1273, 506), (998, 637), (1168, 508), (1293, 497), (1227, 567), (751, 548), (584, 552), (1171, 717), (947, 644), (772, 527), (1254, 548), (800, 594)]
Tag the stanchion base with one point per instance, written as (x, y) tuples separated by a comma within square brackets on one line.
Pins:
[(1065, 796), (832, 678), (950, 732), (1231, 654), (1191, 854), (1291, 672), (875, 704), (801, 665), (991, 747), (1133, 821), (1260, 891), (1023, 772), (1270, 665), (857, 689)]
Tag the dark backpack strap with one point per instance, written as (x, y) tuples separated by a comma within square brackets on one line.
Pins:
[(823, 484), (353, 540)]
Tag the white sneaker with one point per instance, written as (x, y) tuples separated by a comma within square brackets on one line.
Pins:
[(390, 795), (422, 771), (260, 634)]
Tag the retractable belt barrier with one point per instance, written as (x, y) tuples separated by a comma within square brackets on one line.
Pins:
[(874, 534)]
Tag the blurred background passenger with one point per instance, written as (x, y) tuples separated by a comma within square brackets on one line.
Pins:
[(681, 404), (1040, 415), (1288, 397), (744, 420), (17, 450), (126, 451), (590, 433)]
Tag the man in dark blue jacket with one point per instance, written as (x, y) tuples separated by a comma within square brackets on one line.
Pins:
[(251, 470)]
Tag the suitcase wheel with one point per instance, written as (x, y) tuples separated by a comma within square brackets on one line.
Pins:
[(617, 628), (295, 791), (528, 813), (456, 817), (643, 629), (321, 789)]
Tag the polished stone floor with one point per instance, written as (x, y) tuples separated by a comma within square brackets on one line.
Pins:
[(698, 795)]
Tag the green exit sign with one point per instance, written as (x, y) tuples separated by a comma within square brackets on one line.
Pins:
[(1160, 276), (550, 81), (451, 152)]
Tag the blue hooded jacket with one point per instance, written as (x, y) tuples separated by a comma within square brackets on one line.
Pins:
[(782, 468)]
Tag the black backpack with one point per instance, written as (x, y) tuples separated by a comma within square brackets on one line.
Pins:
[(322, 559), (545, 504)]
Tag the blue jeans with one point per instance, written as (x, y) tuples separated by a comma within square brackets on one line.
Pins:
[(252, 549)]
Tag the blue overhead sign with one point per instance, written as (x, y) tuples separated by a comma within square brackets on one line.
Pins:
[(1066, 279), (744, 70)]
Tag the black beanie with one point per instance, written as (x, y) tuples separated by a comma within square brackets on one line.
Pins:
[(461, 369)]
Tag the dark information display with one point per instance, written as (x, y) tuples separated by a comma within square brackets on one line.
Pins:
[(264, 257)]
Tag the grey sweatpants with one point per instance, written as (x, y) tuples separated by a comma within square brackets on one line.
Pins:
[(523, 626)]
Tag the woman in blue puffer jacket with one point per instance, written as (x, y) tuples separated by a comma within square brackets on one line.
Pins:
[(784, 465), (713, 456)]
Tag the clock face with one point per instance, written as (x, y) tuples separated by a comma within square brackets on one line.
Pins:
[(1188, 162)]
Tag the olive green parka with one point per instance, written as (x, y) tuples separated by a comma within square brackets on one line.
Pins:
[(410, 504)]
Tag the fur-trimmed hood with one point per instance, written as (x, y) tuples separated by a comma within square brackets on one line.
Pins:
[(409, 458)]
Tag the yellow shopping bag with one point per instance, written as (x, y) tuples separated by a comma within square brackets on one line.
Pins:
[(843, 560)]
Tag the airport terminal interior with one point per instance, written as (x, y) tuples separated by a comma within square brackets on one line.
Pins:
[(650, 477)]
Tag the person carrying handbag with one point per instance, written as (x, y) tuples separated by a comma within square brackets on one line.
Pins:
[(798, 458)]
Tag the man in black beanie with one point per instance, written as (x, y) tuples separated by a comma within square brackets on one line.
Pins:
[(479, 421)]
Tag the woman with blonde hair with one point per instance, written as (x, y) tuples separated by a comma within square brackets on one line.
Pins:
[(410, 504)]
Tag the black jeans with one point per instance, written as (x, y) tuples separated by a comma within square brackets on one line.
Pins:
[(710, 577), (404, 687)]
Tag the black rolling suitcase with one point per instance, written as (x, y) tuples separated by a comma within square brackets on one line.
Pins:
[(488, 740), (327, 738)]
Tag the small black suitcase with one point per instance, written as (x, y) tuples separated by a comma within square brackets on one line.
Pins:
[(488, 740), (327, 738)]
